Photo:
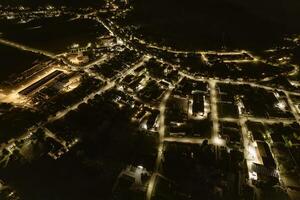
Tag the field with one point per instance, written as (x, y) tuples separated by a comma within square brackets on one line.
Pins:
[(14, 61), (53, 34), (213, 24)]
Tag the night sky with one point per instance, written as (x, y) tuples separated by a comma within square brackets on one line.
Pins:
[(280, 11)]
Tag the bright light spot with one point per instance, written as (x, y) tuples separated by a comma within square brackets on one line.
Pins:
[(120, 42), (13, 98), (140, 167), (281, 105), (252, 151), (78, 58), (120, 88), (75, 45), (253, 176), (218, 141), (71, 85), (144, 126), (139, 87)]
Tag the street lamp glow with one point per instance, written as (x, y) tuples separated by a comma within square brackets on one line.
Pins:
[(140, 167), (252, 151), (144, 126), (253, 176), (281, 105), (218, 141)]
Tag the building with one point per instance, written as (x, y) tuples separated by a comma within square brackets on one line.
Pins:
[(266, 155), (198, 103)]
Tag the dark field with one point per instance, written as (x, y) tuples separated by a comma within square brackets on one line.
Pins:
[(14, 61), (53, 34)]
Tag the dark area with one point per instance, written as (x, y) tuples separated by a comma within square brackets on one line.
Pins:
[(195, 24), (14, 61), (53, 34)]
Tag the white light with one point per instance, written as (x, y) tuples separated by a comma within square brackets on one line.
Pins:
[(75, 45), (140, 167), (253, 176), (281, 105), (139, 87), (252, 151), (144, 126), (121, 88), (218, 141)]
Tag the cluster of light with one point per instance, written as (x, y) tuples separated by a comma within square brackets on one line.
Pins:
[(281, 105), (73, 143), (78, 58), (75, 45), (72, 84), (14, 98), (121, 87)]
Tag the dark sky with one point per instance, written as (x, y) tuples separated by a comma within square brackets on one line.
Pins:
[(236, 23), (215, 23), (283, 11)]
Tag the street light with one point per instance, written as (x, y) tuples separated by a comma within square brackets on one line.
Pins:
[(140, 167), (218, 141), (253, 176)]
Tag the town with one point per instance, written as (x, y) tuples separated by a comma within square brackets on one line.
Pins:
[(139, 119)]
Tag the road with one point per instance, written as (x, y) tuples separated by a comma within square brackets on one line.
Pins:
[(161, 131), (26, 48), (214, 108), (110, 84), (260, 120), (236, 82), (292, 106), (185, 140)]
